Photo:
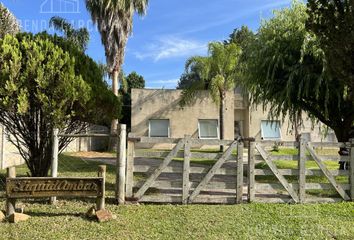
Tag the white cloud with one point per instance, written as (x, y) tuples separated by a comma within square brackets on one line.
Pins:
[(172, 47), (165, 81), (169, 83)]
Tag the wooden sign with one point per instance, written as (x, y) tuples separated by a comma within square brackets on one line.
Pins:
[(44, 187), (54, 187)]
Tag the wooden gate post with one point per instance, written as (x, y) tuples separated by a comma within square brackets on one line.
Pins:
[(130, 170), (10, 202), (250, 175), (302, 170), (121, 164), (100, 203), (239, 177), (351, 168), (55, 152), (186, 168)]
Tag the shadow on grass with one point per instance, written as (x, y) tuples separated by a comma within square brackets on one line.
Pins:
[(51, 214), (80, 165), (82, 215)]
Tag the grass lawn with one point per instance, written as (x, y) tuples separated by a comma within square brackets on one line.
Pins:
[(66, 220), (248, 221)]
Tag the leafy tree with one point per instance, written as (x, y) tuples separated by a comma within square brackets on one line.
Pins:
[(133, 80), (75, 42), (286, 69), (332, 22), (218, 73), (103, 105), (114, 19), (8, 22), (190, 77), (43, 86), (79, 37), (242, 37)]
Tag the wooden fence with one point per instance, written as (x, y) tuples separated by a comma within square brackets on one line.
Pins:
[(299, 173), (153, 176), (311, 175)]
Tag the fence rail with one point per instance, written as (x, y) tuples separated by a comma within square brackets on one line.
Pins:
[(301, 172), (152, 176), (309, 175), (301, 184)]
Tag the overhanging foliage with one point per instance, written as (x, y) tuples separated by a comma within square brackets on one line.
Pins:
[(287, 69)]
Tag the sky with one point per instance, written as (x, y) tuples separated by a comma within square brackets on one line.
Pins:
[(162, 41)]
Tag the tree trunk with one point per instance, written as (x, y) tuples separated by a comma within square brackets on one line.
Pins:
[(297, 125), (222, 117), (343, 132), (114, 123), (40, 152), (343, 135), (41, 164), (115, 88)]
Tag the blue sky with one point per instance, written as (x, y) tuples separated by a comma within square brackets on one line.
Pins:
[(172, 30)]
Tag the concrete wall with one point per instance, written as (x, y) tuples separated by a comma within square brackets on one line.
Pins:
[(9, 155), (91, 143), (164, 104)]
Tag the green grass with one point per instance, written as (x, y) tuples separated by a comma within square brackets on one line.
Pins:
[(294, 151), (251, 221), (288, 164), (285, 151), (66, 220)]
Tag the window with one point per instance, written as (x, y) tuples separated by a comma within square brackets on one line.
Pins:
[(270, 130), (208, 129), (159, 128)]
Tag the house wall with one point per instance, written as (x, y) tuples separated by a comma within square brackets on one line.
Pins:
[(164, 104), (310, 129)]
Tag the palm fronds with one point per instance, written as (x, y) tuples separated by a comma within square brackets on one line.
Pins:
[(79, 37)]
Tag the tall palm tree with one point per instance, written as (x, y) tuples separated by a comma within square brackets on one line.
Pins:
[(114, 19), (80, 37), (217, 73)]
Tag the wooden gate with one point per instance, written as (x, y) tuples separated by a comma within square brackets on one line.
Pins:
[(184, 174), (331, 175), (313, 177)]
